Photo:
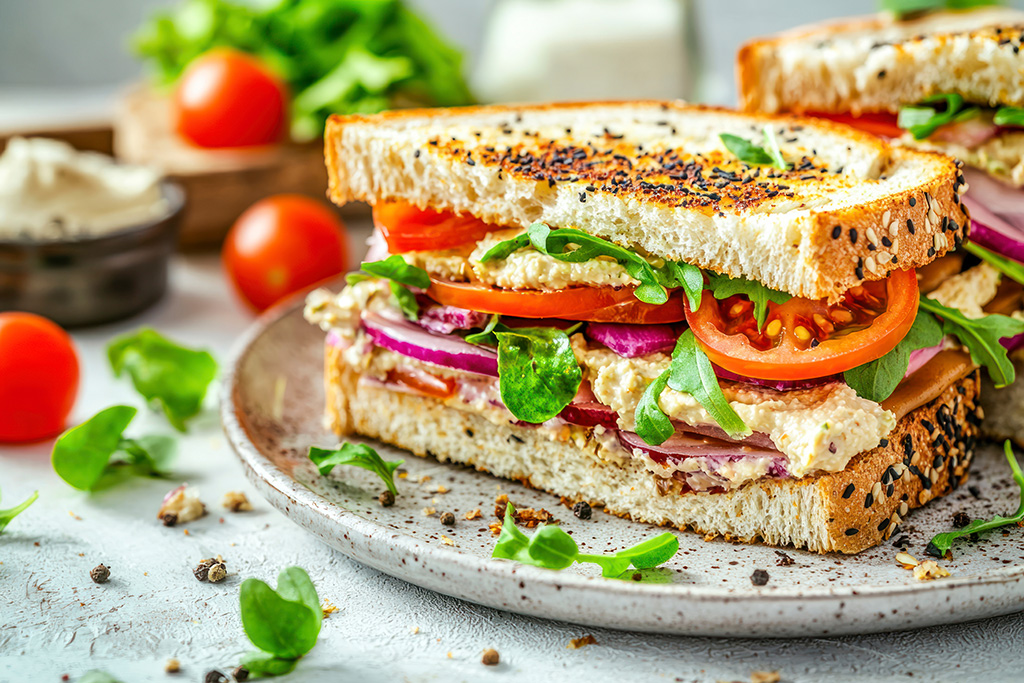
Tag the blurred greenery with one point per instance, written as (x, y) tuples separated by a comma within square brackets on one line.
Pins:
[(337, 56)]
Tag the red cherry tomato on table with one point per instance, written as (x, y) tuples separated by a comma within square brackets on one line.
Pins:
[(38, 377), (283, 244), (227, 98)]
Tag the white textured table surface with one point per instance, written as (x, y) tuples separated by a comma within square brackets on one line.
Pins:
[(54, 620)]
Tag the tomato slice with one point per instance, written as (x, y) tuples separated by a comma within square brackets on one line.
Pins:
[(408, 228), (422, 382), (593, 304), (803, 338), (881, 124)]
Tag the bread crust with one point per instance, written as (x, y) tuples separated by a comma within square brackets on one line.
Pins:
[(799, 239), (926, 456)]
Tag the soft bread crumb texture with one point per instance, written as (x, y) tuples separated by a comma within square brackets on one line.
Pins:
[(926, 456), (1004, 408), (654, 176), (877, 64)]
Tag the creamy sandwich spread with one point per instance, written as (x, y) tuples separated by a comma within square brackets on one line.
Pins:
[(49, 191)]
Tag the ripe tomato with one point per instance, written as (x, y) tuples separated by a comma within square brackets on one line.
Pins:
[(38, 377), (407, 228), (283, 244), (803, 339), (882, 124), (227, 98), (594, 304), (420, 382)]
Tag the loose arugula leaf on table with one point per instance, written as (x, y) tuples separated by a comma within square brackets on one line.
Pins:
[(981, 337), (538, 374), (941, 543), (877, 380), (1009, 116), (84, 455), (749, 153), (652, 424), (922, 120), (552, 548), (96, 676), (284, 624), (165, 373), (9, 514), (1008, 267), (401, 275), (691, 372), (723, 286), (358, 455)]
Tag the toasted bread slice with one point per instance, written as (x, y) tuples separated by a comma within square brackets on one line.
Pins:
[(655, 176), (877, 64)]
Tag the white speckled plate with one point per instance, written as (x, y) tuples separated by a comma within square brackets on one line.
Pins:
[(272, 408)]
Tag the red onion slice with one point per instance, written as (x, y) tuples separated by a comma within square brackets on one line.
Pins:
[(586, 411), (407, 339), (997, 215), (777, 384), (441, 319), (630, 341), (682, 445), (919, 357)]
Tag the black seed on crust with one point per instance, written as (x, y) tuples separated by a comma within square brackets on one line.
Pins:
[(869, 500), (853, 236), (913, 202), (837, 231), (884, 523), (853, 532), (849, 491), (910, 225)]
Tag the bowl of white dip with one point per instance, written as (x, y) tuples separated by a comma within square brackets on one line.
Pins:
[(83, 239)]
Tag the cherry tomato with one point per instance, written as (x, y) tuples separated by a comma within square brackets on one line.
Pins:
[(227, 98), (38, 377), (407, 228), (594, 304), (803, 339), (281, 245), (881, 124)]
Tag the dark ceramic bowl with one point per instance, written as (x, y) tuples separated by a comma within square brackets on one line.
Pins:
[(93, 280)]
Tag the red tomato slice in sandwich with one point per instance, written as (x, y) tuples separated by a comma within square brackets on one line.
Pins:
[(407, 228), (803, 339), (881, 124), (593, 304)]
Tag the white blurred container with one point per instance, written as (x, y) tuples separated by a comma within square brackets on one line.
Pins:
[(564, 50)]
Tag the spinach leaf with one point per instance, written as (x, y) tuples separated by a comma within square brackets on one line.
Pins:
[(9, 514), (538, 374), (358, 455), (723, 286), (981, 337), (1008, 267), (749, 153), (943, 542), (261, 665), (923, 120), (284, 623), (877, 380), (652, 424), (164, 373), (691, 372)]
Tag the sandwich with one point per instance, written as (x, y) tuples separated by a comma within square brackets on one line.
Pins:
[(948, 81), (686, 315)]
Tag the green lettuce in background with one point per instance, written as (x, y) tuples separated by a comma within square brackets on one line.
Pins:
[(337, 56)]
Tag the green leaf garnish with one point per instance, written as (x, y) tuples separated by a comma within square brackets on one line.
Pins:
[(980, 336), (166, 374), (652, 424), (877, 380), (904, 7), (401, 276), (575, 246), (943, 542), (284, 623), (1009, 116), (262, 665), (723, 286), (922, 120), (83, 456), (96, 676), (749, 153), (7, 515), (552, 548), (1008, 267), (538, 374), (485, 337), (691, 372), (358, 455), (678, 274), (771, 146)]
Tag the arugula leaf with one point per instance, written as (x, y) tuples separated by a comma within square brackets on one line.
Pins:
[(981, 338), (943, 542), (903, 7), (1009, 116), (552, 548), (285, 622), (359, 455), (485, 337), (922, 120), (1008, 267), (556, 244), (401, 275), (723, 286), (85, 454), (538, 374), (652, 424), (679, 274), (9, 514), (691, 372), (749, 153), (877, 380), (164, 373)]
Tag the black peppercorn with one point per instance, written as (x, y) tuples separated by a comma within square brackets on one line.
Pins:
[(215, 677), (100, 573), (961, 519), (582, 510), (240, 673), (448, 519), (759, 577), (386, 498)]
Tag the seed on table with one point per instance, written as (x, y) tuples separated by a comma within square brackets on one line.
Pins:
[(490, 657), (448, 519), (582, 510), (100, 573), (759, 577), (386, 499), (240, 673)]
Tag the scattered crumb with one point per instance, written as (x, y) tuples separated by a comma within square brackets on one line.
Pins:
[(427, 512), (173, 666), (495, 528), (906, 560), (402, 474), (181, 505), (448, 518), (386, 498), (328, 608), (765, 677), (527, 517), (577, 643), (425, 478), (446, 540), (73, 515), (929, 570), (490, 657), (473, 514), (100, 573), (784, 559), (211, 569), (236, 501), (441, 488), (185, 531), (450, 654), (414, 630)]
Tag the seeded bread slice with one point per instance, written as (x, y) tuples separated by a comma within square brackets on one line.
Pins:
[(655, 176), (877, 64), (926, 457)]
